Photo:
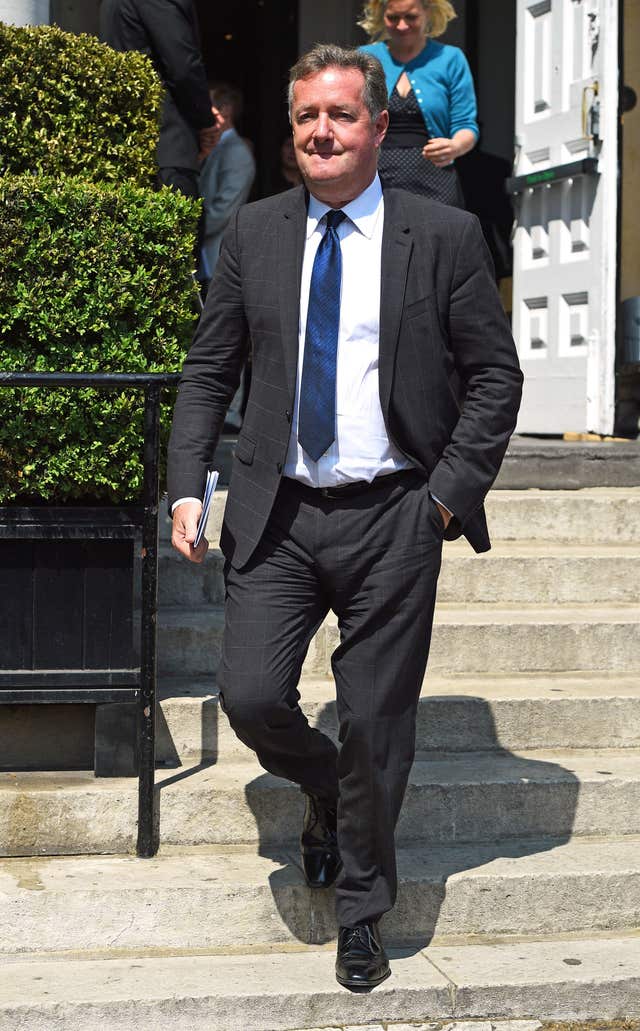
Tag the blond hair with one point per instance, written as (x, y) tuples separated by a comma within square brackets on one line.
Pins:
[(440, 13)]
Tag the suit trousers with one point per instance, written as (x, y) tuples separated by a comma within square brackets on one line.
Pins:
[(373, 558)]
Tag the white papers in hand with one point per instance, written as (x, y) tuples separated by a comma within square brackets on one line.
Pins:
[(210, 486)]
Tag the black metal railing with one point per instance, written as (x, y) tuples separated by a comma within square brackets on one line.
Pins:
[(145, 674)]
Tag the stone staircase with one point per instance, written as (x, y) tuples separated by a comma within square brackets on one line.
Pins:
[(518, 844)]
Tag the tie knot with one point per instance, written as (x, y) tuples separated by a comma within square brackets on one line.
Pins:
[(334, 218)]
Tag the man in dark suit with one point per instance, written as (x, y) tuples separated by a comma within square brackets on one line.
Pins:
[(367, 311), (167, 32)]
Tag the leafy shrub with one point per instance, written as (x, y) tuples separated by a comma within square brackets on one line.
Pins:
[(70, 105), (94, 278)]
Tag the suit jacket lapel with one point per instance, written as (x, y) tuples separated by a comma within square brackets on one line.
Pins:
[(397, 244), (291, 236)]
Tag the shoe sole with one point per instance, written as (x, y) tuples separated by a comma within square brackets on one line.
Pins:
[(355, 986)]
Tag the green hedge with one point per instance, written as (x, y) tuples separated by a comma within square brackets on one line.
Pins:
[(93, 279), (70, 105)]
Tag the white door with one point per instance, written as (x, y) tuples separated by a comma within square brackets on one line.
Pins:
[(565, 233)]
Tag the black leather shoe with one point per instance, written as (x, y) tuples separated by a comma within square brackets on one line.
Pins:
[(319, 843), (362, 962)]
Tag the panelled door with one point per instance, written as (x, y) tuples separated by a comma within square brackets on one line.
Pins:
[(565, 231)]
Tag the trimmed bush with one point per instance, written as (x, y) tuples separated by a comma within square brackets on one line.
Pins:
[(70, 105), (93, 279)]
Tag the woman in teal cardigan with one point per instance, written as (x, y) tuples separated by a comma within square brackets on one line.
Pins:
[(432, 104)]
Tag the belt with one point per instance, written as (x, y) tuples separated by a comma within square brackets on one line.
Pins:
[(350, 490)]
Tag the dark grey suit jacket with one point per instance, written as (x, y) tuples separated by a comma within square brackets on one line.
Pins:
[(167, 32), (450, 382)]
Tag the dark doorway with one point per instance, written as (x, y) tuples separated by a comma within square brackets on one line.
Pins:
[(252, 44)]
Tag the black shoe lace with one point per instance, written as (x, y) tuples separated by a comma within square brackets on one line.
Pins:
[(324, 815), (362, 935)]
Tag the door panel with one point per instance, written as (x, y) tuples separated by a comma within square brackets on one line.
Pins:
[(565, 236)]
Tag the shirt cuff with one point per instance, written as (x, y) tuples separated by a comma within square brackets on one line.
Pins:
[(443, 504), (181, 501)]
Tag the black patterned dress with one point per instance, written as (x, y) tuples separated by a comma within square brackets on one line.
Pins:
[(401, 162)]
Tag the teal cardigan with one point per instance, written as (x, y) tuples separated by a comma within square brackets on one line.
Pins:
[(441, 82)]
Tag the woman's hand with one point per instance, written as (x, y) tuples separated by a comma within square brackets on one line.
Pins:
[(441, 151)]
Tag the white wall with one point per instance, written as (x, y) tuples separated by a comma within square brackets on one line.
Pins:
[(24, 12)]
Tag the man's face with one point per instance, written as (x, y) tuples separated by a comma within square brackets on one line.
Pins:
[(335, 141)]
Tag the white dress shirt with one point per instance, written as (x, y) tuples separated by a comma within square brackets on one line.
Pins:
[(361, 449)]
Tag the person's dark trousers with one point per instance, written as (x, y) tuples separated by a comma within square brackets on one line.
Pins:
[(184, 180), (374, 559)]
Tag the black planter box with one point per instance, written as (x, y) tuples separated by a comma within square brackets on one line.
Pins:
[(66, 617)]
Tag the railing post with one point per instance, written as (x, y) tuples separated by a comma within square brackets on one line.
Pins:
[(147, 831)]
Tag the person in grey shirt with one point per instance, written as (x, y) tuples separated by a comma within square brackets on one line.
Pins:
[(227, 175)]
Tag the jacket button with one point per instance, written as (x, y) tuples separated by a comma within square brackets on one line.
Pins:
[(288, 416), (279, 467)]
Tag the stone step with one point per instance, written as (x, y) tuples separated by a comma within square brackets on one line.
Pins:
[(541, 573), (189, 639), (564, 464), (512, 572), (466, 639), (491, 638), (181, 582), (593, 515), (216, 897), (199, 990), (465, 799), (457, 713)]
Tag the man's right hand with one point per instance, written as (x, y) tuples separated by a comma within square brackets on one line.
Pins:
[(185, 525), (209, 137)]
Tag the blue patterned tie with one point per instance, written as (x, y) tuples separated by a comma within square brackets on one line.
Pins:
[(317, 415)]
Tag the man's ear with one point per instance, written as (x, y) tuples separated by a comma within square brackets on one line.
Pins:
[(381, 126)]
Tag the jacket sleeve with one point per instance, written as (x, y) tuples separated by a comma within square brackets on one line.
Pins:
[(224, 193), (487, 363), (210, 376), (177, 53), (462, 96)]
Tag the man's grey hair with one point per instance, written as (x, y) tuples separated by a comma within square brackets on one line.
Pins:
[(330, 55)]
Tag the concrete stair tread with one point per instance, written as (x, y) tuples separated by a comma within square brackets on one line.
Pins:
[(231, 897), (490, 612), (509, 494), (574, 684), (457, 713), (446, 613), (462, 798), (599, 765), (577, 978), (239, 868), (552, 550)]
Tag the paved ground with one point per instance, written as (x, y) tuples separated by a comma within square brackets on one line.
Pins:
[(490, 1025)]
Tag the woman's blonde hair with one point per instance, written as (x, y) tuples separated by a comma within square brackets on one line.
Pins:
[(439, 12)]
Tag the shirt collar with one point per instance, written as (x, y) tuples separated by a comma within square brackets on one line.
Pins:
[(364, 211)]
